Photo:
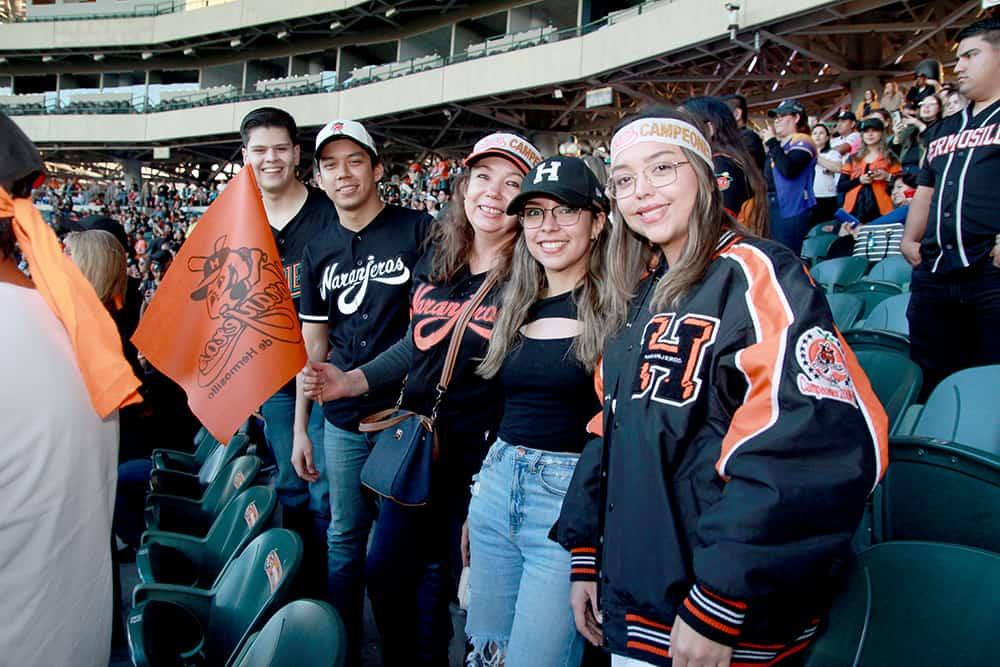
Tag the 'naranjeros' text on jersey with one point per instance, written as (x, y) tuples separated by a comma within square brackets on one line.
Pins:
[(358, 283)]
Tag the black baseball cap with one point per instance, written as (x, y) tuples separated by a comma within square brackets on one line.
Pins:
[(847, 115), (872, 124), (787, 108), (568, 180)]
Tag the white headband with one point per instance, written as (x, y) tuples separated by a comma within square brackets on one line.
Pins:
[(662, 131)]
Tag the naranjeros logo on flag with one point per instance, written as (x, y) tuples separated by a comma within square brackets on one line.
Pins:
[(222, 324)]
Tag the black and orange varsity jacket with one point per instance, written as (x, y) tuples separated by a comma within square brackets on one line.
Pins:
[(740, 441)]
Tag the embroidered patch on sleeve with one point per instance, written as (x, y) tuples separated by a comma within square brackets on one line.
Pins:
[(723, 180), (824, 367)]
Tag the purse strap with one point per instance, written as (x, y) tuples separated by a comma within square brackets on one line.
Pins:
[(456, 340), (392, 416)]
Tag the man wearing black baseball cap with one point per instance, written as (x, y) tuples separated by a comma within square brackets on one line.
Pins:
[(848, 139), (791, 161)]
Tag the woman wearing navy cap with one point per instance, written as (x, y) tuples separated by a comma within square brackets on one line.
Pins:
[(544, 348)]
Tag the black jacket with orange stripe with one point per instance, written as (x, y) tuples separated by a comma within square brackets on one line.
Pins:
[(741, 439)]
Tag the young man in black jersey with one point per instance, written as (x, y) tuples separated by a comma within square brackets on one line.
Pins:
[(296, 214), (952, 228), (355, 304)]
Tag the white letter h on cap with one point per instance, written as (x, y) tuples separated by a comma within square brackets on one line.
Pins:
[(549, 171)]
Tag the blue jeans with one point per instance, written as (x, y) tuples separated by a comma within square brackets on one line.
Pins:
[(294, 493), (519, 579), (351, 515)]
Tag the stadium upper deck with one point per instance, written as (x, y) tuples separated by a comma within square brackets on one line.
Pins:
[(430, 76)]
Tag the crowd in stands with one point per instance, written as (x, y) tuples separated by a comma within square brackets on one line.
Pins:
[(492, 294)]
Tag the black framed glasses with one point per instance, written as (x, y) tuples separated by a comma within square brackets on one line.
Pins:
[(658, 175), (532, 217)]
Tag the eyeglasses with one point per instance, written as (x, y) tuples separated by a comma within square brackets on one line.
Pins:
[(532, 217), (661, 174)]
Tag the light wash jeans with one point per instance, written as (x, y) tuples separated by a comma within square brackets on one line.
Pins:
[(351, 515), (519, 578), (295, 493)]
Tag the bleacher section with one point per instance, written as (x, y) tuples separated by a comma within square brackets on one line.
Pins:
[(23, 104), (180, 99)]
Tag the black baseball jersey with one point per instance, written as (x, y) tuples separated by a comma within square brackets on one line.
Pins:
[(316, 214), (470, 412), (963, 166), (358, 283)]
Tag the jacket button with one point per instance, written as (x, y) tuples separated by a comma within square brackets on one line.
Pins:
[(611, 507), (630, 347)]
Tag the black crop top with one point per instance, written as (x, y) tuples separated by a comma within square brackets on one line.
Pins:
[(548, 394)]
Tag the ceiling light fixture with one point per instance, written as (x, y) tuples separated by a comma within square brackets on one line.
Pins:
[(146, 55), (282, 34), (389, 13), (98, 57), (189, 51), (557, 93), (335, 25), (235, 41)]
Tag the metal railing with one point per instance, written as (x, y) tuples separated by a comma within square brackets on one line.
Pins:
[(136, 11)]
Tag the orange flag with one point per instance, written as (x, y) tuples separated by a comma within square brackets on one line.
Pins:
[(222, 324)]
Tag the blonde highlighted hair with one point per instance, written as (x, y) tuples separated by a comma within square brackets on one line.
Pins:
[(101, 259)]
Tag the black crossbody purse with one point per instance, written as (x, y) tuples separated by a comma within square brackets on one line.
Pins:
[(400, 464)]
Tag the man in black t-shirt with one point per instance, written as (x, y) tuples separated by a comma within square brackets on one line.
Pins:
[(355, 304), (952, 229), (296, 214)]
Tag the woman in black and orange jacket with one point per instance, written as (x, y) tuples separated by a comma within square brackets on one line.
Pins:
[(866, 176)]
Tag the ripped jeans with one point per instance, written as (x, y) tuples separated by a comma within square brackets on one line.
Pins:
[(519, 613)]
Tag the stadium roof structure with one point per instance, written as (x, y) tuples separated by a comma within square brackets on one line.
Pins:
[(817, 56)]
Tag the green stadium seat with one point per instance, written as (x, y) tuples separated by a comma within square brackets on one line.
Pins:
[(836, 274), (846, 309), (962, 409), (815, 249), (872, 293), (191, 485), (938, 491), (174, 558), (177, 625), (893, 269), (189, 462), (828, 227), (303, 632), (195, 516), (919, 604), (890, 315), (895, 378)]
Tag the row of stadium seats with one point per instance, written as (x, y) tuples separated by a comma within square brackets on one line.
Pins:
[(929, 540), (216, 576)]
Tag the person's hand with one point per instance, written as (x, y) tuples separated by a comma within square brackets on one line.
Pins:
[(466, 554), (583, 602), (767, 133), (911, 251), (302, 457), (995, 253), (324, 382), (865, 178), (880, 175), (690, 649)]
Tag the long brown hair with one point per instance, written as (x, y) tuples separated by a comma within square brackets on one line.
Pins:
[(525, 287), (630, 256), (452, 237)]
